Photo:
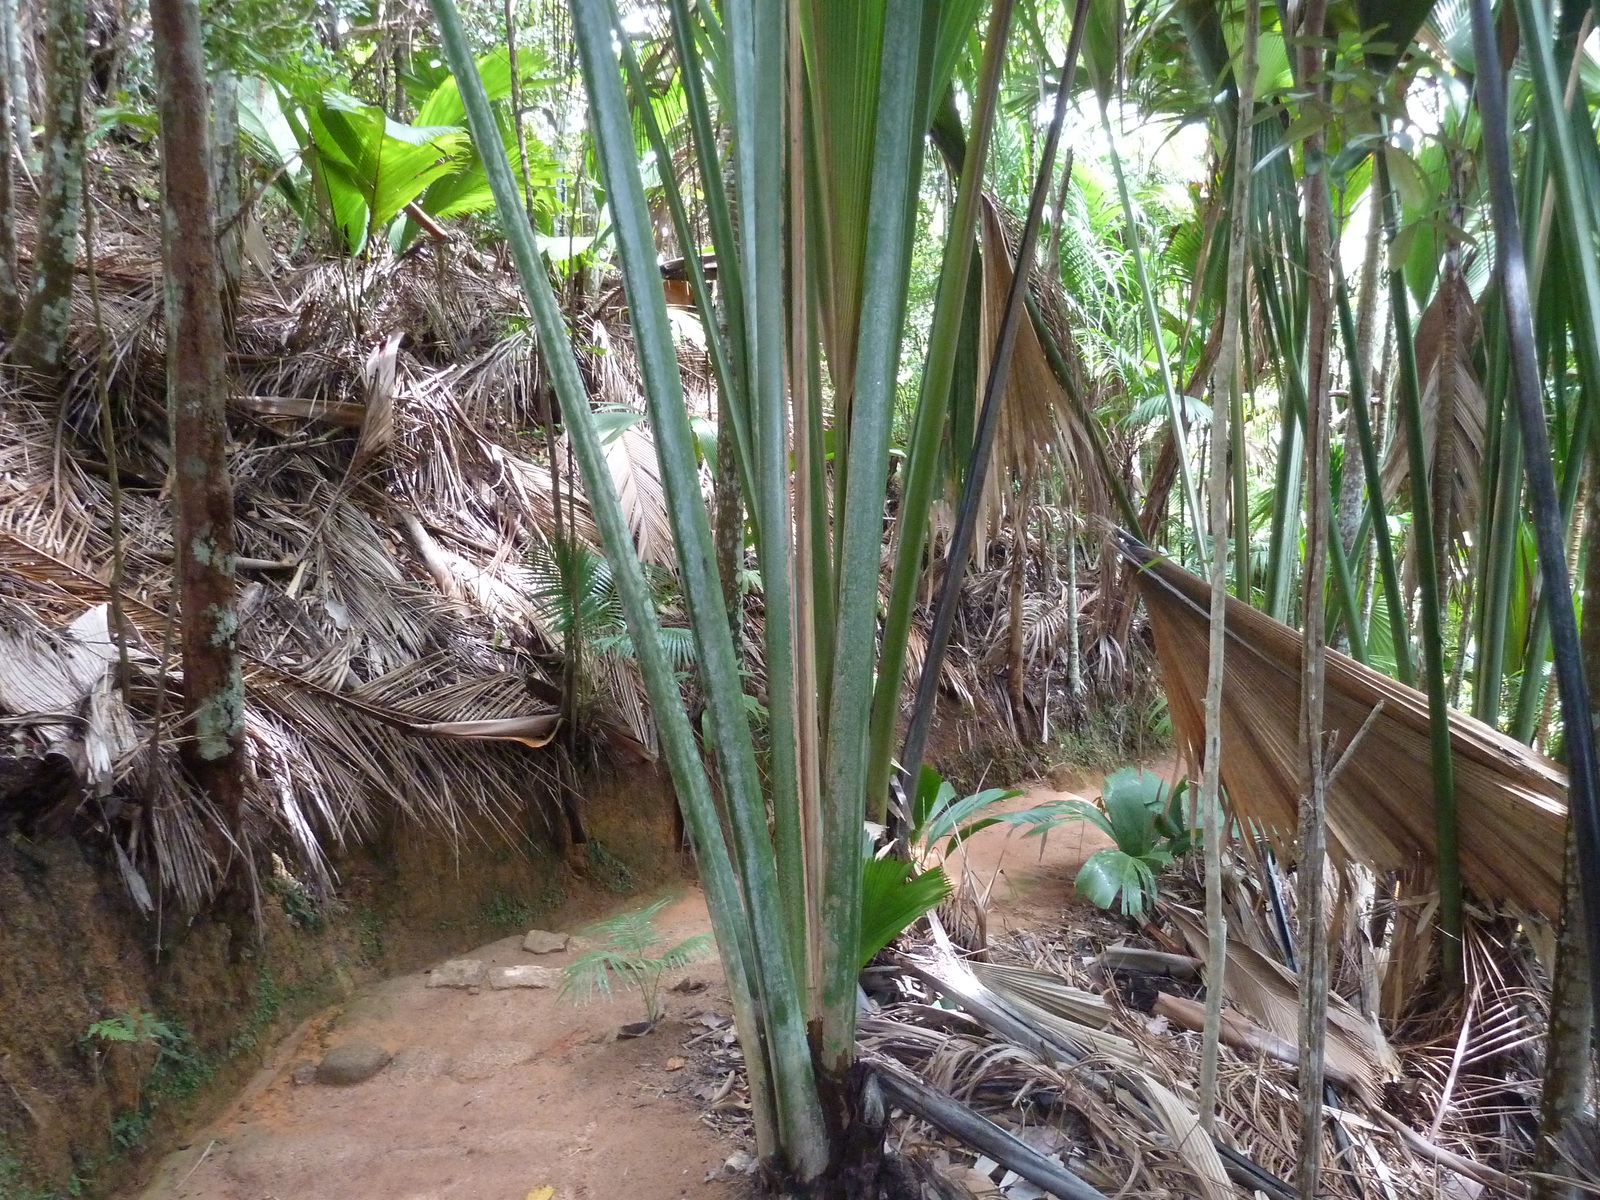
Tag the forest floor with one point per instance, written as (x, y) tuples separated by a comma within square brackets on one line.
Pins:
[(518, 1094)]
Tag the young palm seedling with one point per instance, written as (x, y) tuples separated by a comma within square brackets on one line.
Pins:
[(627, 957), (1145, 817)]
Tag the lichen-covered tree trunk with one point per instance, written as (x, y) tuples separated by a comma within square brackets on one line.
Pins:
[(16, 69), (202, 494), (10, 288), (43, 332), (225, 121)]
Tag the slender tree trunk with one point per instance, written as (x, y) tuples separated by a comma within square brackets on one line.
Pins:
[(43, 333), (202, 498), (1313, 782), (16, 72), (1568, 1042), (1226, 383), (1074, 654), (225, 122), (1019, 573), (10, 286), (1351, 482)]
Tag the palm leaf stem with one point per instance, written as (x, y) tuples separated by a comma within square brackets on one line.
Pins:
[(1537, 650), (802, 1132), (1376, 514), (718, 218), (1152, 315), (722, 363), (805, 403), (909, 35), (1583, 785), (757, 40), (729, 918), (1286, 361), (928, 424), (961, 540), (1446, 830)]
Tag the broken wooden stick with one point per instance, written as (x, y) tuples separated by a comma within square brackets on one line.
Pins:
[(1243, 1034), (1149, 962)]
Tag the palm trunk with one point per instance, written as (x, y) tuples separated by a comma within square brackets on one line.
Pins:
[(1074, 653), (1568, 1042), (43, 333), (202, 498)]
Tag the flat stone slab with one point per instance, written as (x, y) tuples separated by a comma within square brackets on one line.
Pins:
[(489, 1060), (458, 973), (542, 941), (525, 976), (353, 1063), (417, 1064)]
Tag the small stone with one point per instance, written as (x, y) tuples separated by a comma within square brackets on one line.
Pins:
[(525, 976), (355, 1062), (304, 1073), (458, 973), (542, 941)]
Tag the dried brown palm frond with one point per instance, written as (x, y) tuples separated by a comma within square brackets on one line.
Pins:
[(1270, 993), (1510, 800), (1039, 428), (1453, 447), (631, 457)]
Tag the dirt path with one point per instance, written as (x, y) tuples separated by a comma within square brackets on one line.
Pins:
[(497, 1094), (490, 1096)]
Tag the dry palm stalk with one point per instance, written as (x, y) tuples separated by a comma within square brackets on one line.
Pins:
[(1511, 800)]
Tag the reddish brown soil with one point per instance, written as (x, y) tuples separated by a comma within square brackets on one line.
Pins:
[(496, 1095)]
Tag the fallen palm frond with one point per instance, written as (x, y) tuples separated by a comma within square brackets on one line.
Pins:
[(1104, 1083), (395, 662), (1356, 1051), (1511, 800)]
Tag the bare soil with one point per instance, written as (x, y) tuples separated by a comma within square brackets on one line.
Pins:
[(500, 1094)]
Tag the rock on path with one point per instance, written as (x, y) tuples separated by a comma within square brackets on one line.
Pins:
[(353, 1063), (542, 941), (458, 973)]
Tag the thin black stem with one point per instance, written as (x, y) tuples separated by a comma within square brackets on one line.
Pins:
[(944, 617), (1543, 500)]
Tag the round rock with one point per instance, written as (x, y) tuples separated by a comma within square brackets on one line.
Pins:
[(356, 1062)]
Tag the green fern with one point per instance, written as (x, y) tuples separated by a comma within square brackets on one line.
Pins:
[(627, 958)]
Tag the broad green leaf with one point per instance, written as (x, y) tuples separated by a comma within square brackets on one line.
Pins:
[(1110, 877)]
